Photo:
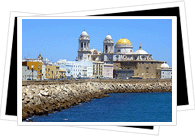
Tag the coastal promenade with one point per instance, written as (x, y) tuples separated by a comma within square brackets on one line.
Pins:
[(44, 97), (50, 82)]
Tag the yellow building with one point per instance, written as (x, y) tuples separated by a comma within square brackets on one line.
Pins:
[(35, 65), (62, 74), (51, 72)]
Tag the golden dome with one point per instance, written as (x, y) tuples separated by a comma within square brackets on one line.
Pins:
[(123, 41)]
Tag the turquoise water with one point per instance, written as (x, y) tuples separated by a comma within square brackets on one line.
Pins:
[(119, 107)]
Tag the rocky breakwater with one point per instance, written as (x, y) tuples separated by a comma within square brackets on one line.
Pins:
[(44, 99)]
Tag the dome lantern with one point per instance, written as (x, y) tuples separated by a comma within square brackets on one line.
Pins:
[(140, 50)]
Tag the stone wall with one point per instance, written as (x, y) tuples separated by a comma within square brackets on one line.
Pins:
[(44, 99)]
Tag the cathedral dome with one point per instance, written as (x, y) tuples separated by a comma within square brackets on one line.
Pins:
[(108, 37), (123, 41), (84, 33), (164, 65), (140, 51)]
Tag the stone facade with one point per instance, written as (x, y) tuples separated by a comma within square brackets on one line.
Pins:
[(142, 69)]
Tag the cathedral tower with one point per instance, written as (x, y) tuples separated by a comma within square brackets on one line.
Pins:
[(84, 46), (107, 55)]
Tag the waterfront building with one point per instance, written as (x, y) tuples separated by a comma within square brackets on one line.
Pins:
[(108, 70), (127, 63), (116, 61), (62, 74), (51, 72), (165, 71), (28, 74), (76, 69), (35, 65), (98, 69)]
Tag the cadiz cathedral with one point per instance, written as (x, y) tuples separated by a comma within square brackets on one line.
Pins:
[(126, 62)]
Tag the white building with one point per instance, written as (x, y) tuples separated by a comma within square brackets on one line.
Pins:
[(166, 71), (108, 70), (28, 74), (76, 68)]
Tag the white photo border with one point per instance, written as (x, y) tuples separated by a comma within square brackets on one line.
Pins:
[(174, 73), (101, 11), (7, 64)]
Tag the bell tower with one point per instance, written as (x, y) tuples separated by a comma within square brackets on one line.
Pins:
[(108, 51), (84, 46)]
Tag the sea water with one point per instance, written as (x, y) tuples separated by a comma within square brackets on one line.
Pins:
[(119, 107)]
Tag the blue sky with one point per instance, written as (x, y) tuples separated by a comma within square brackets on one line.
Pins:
[(58, 38)]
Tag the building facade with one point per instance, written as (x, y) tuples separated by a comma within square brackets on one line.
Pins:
[(116, 61), (98, 69), (108, 70), (125, 61), (29, 74), (36, 65), (76, 69), (51, 72), (62, 74), (130, 64), (165, 71)]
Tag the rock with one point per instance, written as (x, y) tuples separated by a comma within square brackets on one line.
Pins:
[(44, 99), (44, 93)]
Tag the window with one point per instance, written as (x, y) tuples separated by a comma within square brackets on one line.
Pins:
[(106, 48), (81, 44), (119, 51)]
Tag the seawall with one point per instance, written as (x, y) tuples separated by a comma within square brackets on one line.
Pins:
[(44, 99)]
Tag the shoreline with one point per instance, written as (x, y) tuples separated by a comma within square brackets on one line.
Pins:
[(38, 100)]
